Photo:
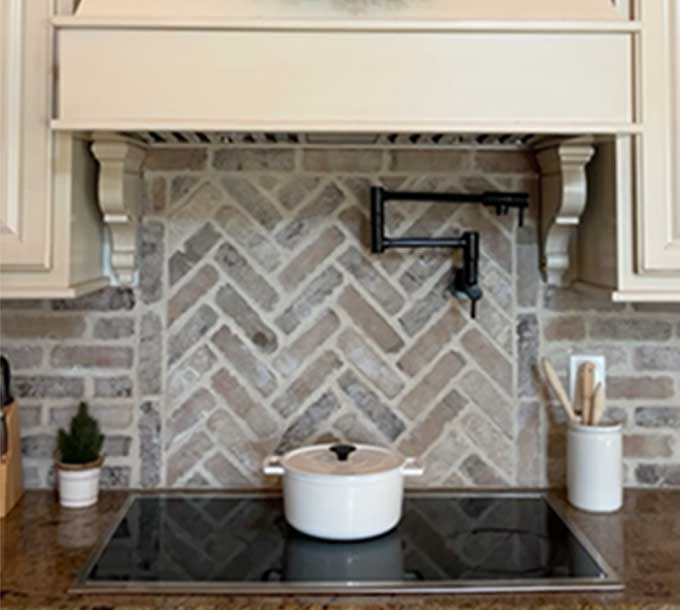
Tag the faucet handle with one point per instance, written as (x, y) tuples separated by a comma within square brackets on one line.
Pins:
[(461, 289), (465, 280)]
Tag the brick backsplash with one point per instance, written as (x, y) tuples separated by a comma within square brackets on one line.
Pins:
[(262, 322)]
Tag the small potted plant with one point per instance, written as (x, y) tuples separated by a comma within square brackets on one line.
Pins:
[(80, 460)]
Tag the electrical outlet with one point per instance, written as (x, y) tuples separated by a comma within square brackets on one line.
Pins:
[(575, 363)]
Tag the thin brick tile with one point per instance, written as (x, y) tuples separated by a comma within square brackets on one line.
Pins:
[(371, 280), (292, 357), (310, 258), (310, 379), (370, 364), (429, 387), (242, 359), (370, 321)]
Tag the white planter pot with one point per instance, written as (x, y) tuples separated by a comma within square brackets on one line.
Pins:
[(342, 492), (595, 467), (79, 488)]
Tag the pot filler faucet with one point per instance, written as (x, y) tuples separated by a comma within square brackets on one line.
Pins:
[(465, 283)]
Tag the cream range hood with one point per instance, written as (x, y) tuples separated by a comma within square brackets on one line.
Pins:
[(576, 80), (492, 66)]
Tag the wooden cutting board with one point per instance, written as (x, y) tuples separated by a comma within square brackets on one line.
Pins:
[(11, 475)]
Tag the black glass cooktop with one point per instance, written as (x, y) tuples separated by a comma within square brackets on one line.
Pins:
[(199, 543)]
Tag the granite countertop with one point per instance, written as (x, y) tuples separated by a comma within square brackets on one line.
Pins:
[(43, 547)]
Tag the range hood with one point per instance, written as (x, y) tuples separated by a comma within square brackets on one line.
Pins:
[(548, 74), (376, 66)]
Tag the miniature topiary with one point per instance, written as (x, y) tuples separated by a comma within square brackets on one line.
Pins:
[(83, 442)]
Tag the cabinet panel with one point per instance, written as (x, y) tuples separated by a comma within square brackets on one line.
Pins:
[(25, 142), (658, 148), (632, 285), (77, 232)]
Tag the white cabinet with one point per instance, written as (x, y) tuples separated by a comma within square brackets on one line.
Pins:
[(24, 170), (659, 145), (629, 237), (50, 225), (649, 218)]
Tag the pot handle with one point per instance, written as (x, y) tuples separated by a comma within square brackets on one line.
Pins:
[(412, 468), (272, 466)]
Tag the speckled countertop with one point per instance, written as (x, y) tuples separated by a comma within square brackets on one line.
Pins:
[(43, 547)]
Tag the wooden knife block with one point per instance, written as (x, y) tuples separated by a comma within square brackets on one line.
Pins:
[(11, 474)]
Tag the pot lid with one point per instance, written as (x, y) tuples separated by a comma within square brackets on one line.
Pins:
[(341, 460)]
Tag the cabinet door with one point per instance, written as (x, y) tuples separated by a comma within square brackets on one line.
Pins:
[(658, 216), (25, 138)]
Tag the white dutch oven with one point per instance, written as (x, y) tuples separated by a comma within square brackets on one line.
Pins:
[(342, 492)]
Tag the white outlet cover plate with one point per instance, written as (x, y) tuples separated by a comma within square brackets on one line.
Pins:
[(575, 363)]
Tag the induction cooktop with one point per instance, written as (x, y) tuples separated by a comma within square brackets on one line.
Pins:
[(445, 542)]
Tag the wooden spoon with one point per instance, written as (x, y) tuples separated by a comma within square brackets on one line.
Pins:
[(598, 405), (587, 378), (558, 388)]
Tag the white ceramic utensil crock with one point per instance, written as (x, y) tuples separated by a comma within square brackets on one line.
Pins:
[(342, 492), (595, 467)]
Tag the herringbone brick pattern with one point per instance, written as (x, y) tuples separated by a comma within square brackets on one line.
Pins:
[(283, 330)]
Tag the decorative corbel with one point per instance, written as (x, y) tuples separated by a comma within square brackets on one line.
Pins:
[(120, 188), (564, 194)]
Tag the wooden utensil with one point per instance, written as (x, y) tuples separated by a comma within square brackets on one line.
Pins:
[(11, 473), (558, 388), (598, 405), (586, 387), (4, 431)]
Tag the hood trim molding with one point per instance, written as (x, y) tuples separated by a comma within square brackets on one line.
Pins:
[(406, 11), (347, 25)]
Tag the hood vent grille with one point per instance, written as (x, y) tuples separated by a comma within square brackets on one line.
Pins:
[(359, 140)]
